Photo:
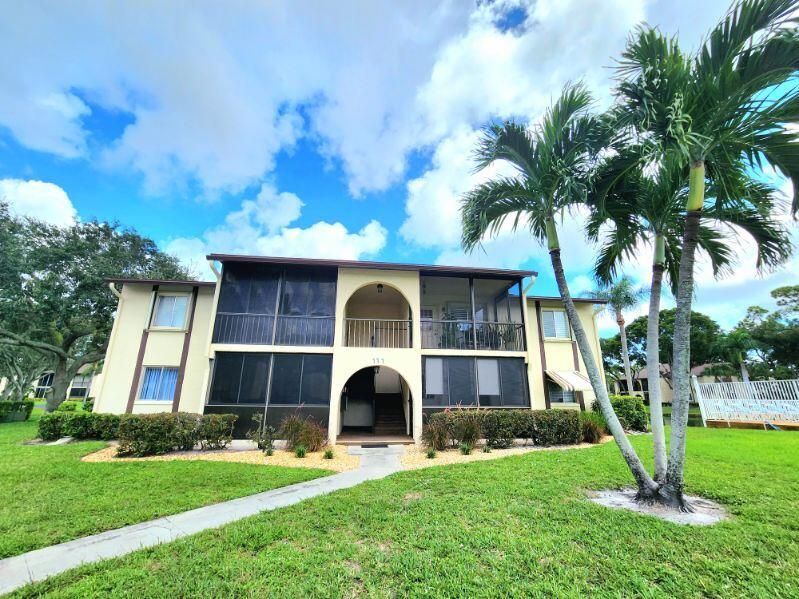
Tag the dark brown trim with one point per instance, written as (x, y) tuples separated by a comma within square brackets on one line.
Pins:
[(578, 394), (134, 385), (162, 282), (423, 268), (577, 300), (184, 355), (543, 353)]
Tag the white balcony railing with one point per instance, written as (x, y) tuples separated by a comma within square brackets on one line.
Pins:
[(377, 332)]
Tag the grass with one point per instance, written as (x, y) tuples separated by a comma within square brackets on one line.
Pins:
[(519, 526), (47, 495)]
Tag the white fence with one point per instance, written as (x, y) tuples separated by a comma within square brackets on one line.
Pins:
[(757, 401)]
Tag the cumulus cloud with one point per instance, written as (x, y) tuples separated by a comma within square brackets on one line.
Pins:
[(262, 226), (38, 199)]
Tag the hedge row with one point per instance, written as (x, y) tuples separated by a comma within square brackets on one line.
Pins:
[(153, 434), (79, 425), (14, 411), (629, 409), (500, 428)]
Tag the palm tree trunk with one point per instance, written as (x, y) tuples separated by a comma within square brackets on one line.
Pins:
[(625, 355), (675, 484), (744, 373), (647, 488), (653, 361)]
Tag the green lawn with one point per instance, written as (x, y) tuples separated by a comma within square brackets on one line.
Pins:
[(518, 526), (47, 495)]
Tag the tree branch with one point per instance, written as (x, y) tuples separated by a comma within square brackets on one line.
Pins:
[(18, 341)]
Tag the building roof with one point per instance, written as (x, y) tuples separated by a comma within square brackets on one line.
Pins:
[(425, 268), (577, 300), (124, 281), (665, 370)]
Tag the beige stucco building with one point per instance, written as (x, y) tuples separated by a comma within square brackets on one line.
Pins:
[(365, 348)]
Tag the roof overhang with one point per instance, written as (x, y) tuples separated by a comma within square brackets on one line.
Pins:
[(569, 380), (126, 281), (422, 268), (576, 300)]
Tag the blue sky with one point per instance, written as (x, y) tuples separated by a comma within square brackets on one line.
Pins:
[(292, 128)]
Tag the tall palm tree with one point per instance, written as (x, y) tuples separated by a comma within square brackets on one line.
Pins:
[(622, 295), (638, 206), (719, 112), (552, 163)]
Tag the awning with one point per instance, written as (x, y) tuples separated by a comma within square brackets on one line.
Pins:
[(569, 380)]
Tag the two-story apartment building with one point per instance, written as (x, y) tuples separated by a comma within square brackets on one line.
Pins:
[(364, 347)]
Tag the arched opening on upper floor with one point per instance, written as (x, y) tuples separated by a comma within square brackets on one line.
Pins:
[(377, 315)]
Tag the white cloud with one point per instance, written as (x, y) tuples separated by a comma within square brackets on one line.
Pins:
[(214, 95), (261, 227), (38, 199)]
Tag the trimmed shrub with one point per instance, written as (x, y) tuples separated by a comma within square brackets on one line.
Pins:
[(216, 430), (303, 430), (88, 404), (556, 427), (329, 454), (594, 427), (629, 409), (15, 411), (300, 451), (465, 448), (154, 434), (436, 434), (500, 428), (50, 426), (80, 425), (146, 434), (68, 406), (431, 453)]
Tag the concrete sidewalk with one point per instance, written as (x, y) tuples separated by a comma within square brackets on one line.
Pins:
[(34, 566)]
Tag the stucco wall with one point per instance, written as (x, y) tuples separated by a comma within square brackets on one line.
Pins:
[(163, 348), (559, 352)]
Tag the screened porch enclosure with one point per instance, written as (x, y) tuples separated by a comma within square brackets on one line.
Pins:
[(470, 313), (271, 384), (266, 305)]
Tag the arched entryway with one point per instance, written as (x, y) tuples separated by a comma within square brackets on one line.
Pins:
[(376, 405)]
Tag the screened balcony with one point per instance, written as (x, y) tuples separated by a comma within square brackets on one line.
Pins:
[(265, 305), (471, 314)]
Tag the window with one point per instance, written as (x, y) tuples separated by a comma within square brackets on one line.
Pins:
[(558, 395), (80, 386), (158, 383), (426, 314), (490, 382), (170, 311), (43, 384), (555, 324)]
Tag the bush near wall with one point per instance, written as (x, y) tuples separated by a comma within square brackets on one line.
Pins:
[(15, 411), (154, 434), (629, 409), (79, 425), (299, 430), (500, 428), (68, 406)]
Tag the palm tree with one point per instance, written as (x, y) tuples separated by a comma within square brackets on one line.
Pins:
[(552, 163), (638, 206), (622, 296), (719, 112)]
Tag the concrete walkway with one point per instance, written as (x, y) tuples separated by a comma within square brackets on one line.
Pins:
[(34, 566)]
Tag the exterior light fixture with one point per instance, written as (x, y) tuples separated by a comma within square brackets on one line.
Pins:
[(380, 287)]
